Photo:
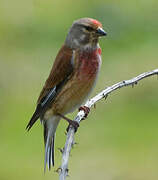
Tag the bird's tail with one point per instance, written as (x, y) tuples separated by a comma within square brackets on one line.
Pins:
[(50, 126)]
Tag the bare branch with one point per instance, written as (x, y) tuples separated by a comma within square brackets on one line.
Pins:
[(103, 94)]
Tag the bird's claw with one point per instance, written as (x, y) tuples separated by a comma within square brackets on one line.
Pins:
[(75, 125), (86, 111)]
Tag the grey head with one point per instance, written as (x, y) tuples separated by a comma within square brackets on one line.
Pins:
[(84, 33)]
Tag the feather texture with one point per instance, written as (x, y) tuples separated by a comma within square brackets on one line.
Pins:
[(59, 75), (62, 68), (49, 138)]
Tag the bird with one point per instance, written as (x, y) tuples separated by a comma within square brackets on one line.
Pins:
[(70, 82)]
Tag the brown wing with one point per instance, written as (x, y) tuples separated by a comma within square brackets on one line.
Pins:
[(59, 74), (61, 69)]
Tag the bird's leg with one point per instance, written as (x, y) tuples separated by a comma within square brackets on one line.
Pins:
[(86, 111), (71, 122)]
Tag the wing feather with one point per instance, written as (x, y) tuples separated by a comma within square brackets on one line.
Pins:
[(59, 75)]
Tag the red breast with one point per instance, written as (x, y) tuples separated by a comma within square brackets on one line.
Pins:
[(89, 63)]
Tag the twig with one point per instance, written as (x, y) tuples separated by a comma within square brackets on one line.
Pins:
[(103, 94)]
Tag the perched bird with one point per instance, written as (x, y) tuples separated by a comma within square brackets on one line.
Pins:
[(70, 81)]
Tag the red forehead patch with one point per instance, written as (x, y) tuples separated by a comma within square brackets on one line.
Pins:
[(96, 23)]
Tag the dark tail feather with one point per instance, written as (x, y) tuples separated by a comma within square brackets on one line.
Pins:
[(32, 121), (35, 117), (51, 155), (49, 138), (53, 150)]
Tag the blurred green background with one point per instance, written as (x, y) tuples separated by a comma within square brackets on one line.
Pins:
[(119, 140)]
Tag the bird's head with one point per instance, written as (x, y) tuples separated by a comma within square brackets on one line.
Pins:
[(84, 33)]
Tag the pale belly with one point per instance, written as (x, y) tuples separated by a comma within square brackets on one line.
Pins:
[(79, 87)]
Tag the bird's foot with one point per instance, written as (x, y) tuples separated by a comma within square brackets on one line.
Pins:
[(72, 123), (86, 111)]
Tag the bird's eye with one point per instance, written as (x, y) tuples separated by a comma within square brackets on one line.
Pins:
[(88, 28)]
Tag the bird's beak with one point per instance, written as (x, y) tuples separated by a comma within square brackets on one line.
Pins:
[(101, 32)]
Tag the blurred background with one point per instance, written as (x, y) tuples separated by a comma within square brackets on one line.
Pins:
[(119, 139)]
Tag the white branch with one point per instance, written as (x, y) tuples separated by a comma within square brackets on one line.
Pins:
[(103, 94)]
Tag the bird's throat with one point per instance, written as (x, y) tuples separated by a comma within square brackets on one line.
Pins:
[(89, 63)]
